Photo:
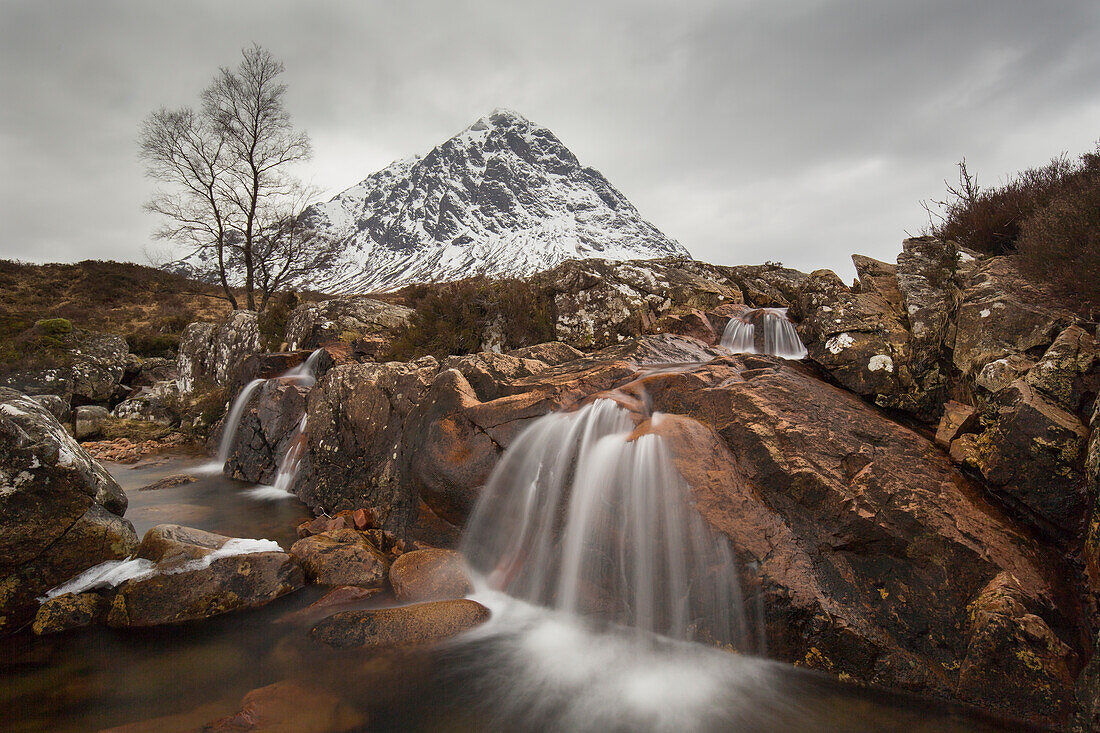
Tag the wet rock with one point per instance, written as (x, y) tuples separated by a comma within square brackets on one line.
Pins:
[(213, 353), (268, 426), (957, 419), (600, 302), (69, 611), (88, 420), (421, 623), (98, 363), (340, 557), (870, 544), (1014, 661), (551, 353), (168, 482), (429, 575), (157, 403), (196, 577), (337, 599), (694, 324), (290, 707), (60, 511), (1001, 313), (314, 324), (1033, 455), (356, 421)]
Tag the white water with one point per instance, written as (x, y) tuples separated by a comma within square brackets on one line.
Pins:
[(233, 419), (780, 337), (292, 460), (581, 516)]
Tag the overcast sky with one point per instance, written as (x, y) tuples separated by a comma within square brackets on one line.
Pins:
[(800, 131)]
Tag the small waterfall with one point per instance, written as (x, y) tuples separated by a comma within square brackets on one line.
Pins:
[(582, 515), (305, 374), (743, 334), (233, 420)]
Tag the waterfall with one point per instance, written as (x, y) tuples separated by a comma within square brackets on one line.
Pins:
[(582, 515), (305, 374), (743, 334)]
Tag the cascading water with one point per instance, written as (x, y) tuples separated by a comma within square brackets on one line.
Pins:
[(584, 516), (779, 335), (305, 374)]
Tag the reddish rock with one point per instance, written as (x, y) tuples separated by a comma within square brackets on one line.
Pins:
[(336, 599), (957, 419), (320, 525), (290, 707), (340, 557), (421, 623), (429, 575), (694, 324)]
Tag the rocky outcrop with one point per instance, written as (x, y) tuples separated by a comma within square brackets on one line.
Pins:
[(315, 324), (599, 302), (267, 427), (213, 353), (200, 574), (60, 511)]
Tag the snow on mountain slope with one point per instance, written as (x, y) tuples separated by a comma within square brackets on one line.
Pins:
[(503, 197)]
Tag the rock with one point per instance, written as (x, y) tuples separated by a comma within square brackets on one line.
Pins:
[(1068, 374), (60, 511), (490, 373), (340, 557), (88, 420), (694, 324), (859, 339), (925, 276), (154, 370), (1033, 455), (869, 544), (1088, 692), (322, 524), (39, 382), (56, 406), (69, 611), (766, 286), (168, 482), (201, 574), (879, 278), (342, 319), (957, 419), (336, 599), (267, 427), (551, 353), (98, 363), (966, 451), (290, 707), (999, 373), (429, 575), (600, 302), (356, 421), (157, 403), (1001, 313), (215, 352), (1014, 661), (266, 366), (421, 623)]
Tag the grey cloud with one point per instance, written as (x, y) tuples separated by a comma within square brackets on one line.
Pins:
[(799, 131)]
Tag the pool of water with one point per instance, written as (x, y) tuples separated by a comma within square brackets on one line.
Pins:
[(527, 669)]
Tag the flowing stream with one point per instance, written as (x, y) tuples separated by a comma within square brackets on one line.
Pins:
[(763, 331)]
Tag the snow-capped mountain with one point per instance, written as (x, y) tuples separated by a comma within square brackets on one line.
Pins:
[(502, 197)]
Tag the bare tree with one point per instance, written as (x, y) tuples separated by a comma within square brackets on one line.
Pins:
[(230, 196)]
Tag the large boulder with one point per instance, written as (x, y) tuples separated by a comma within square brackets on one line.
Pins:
[(341, 557), (602, 302), (421, 623), (157, 403), (60, 511), (200, 574), (214, 352), (429, 575), (354, 433), (311, 325), (98, 363)]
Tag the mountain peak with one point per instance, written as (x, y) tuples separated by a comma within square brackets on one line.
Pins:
[(503, 197)]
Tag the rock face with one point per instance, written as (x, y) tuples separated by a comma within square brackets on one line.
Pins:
[(214, 352), (266, 429), (388, 627), (314, 324), (503, 197), (599, 303), (60, 511), (197, 576)]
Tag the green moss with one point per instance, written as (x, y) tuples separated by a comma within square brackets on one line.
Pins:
[(54, 326)]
